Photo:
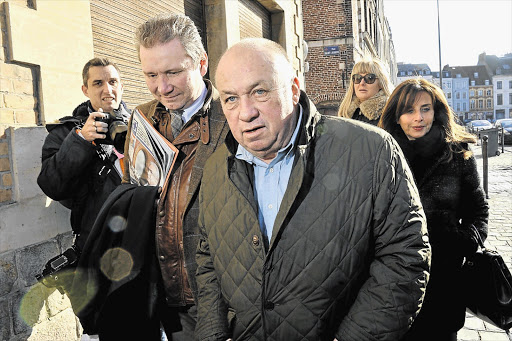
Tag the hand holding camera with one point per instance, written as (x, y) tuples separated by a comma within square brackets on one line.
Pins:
[(94, 128), (105, 128), (116, 130)]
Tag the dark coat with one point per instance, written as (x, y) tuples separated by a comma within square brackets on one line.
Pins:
[(453, 201), (112, 271), (74, 172), (348, 257)]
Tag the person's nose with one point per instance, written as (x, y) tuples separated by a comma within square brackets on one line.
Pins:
[(164, 86), (247, 109), (107, 88), (418, 115)]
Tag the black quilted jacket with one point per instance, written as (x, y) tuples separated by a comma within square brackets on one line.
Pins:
[(348, 258)]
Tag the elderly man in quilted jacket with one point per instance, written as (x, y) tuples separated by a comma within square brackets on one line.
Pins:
[(311, 226)]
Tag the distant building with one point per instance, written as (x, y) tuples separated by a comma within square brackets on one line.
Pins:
[(500, 68), (348, 31), (459, 90), (407, 71), (447, 84), (480, 94)]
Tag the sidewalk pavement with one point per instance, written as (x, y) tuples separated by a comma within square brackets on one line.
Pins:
[(500, 233)]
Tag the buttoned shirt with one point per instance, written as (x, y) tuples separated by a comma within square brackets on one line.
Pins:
[(271, 180), (198, 103)]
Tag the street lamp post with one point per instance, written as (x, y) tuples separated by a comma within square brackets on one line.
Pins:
[(439, 41)]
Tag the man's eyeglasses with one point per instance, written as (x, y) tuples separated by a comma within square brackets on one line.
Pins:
[(368, 79)]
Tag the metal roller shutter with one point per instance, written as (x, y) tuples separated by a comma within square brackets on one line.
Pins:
[(113, 27), (254, 20)]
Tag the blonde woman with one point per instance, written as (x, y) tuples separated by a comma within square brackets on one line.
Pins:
[(368, 92)]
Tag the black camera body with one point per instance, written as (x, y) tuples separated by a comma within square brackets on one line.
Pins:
[(117, 129), (53, 269)]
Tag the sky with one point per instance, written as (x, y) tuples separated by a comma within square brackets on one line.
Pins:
[(468, 28)]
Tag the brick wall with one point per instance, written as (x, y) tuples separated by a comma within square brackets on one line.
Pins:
[(326, 19), (18, 105), (324, 80)]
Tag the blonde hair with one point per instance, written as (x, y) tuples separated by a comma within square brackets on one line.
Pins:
[(366, 65), (166, 27)]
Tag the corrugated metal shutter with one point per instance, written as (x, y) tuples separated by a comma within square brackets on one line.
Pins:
[(254, 20), (113, 27)]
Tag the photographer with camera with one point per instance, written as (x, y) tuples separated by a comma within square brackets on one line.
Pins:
[(81, 154)]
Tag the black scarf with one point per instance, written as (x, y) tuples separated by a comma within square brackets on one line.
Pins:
[(423, 152)]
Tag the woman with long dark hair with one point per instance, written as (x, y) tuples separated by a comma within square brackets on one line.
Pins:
[(420, 119)]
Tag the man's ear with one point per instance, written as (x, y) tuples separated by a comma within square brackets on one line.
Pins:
[(85, 91), (203, 64), (295, 90)]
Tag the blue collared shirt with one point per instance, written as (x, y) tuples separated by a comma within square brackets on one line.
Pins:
[(271, 180), (198, 103)]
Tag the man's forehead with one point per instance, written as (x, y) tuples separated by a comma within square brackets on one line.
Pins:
[(171, 53), (103, 72), (245, 74)]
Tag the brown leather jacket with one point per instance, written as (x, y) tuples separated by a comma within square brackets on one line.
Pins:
[(178, 208)]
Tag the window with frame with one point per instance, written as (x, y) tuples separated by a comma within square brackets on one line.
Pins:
[(480, 92), (449, 95), (480, 104), (463, 106), (499, 99), (458, 106), (472, 104), (472, 93), (488, 92), (510, 98), (475, 74), (510, 84), (498, 85), (489, 103), (457, 95), (486, 82)]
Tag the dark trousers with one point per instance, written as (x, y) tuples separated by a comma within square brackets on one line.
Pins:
[(187, 317), (131, 314)]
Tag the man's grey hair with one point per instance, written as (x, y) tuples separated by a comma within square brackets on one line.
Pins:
[(164, 28)]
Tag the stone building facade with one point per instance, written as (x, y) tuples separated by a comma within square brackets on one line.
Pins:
[(480, 94), (44, 47), (338, 33)]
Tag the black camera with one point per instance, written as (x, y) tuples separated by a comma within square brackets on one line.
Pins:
[(53, 274), (116, 133)]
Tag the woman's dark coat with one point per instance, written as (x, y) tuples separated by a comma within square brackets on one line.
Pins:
[(453, 201)]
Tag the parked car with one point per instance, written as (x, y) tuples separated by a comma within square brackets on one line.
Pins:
[(477, 125), (506, 123)]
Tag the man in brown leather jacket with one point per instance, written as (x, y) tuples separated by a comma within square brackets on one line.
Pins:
[(174, 62)]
